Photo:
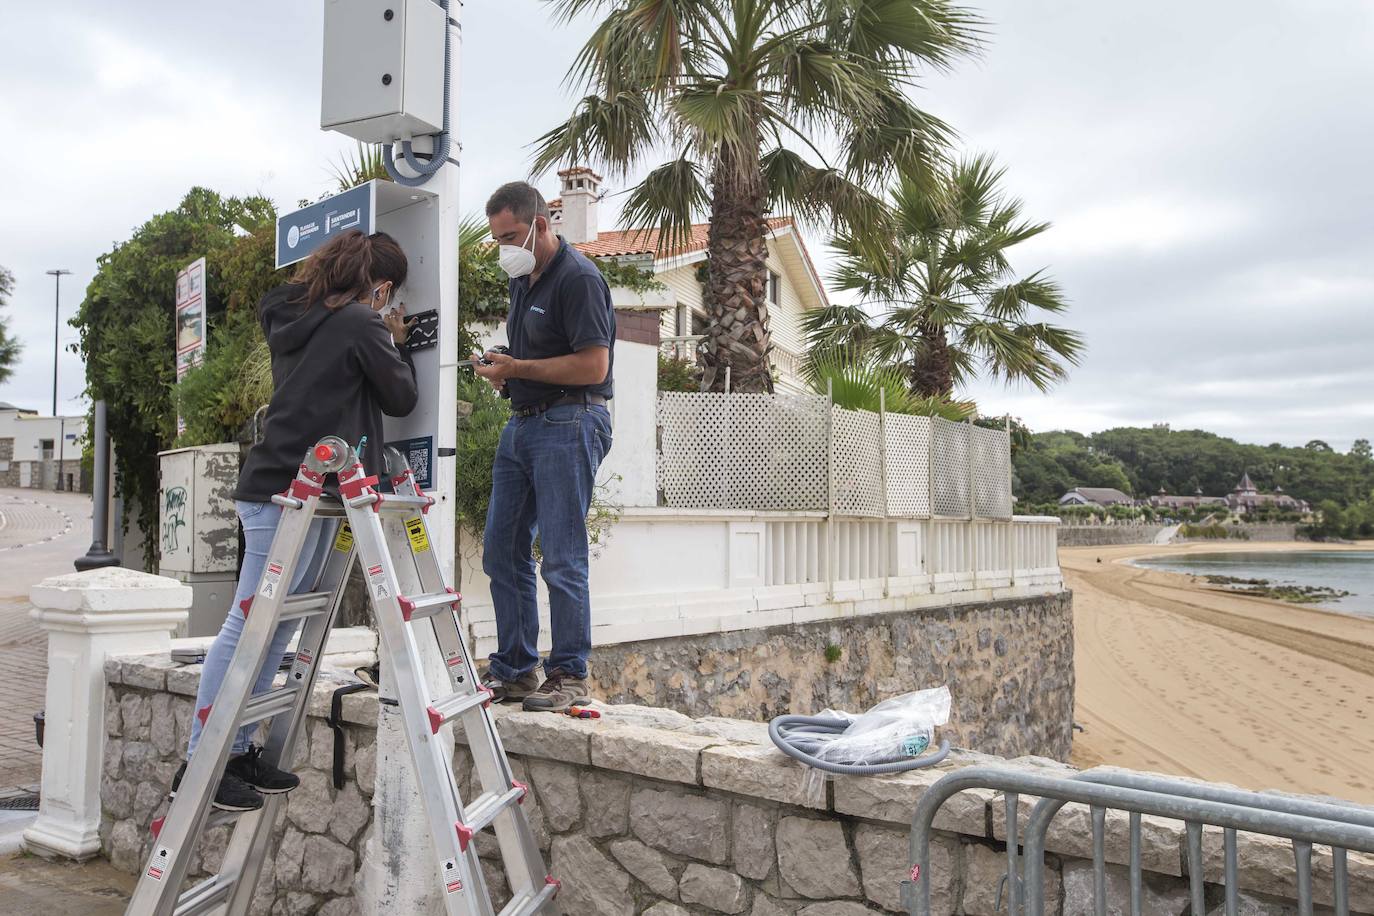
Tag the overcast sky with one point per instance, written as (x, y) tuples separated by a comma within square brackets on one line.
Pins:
[(1205, 166)]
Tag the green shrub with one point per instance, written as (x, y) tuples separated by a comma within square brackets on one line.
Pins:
[(678, 374)]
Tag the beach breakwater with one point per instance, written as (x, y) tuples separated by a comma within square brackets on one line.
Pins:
[(1121, 535), (647, 811)]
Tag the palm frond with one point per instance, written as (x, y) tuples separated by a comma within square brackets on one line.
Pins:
[(615, 131), (357, 167), (667, 199)]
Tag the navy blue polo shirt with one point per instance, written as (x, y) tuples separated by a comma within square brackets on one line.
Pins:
[(567, 310)]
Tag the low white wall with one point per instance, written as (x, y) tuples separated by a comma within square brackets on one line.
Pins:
[(674, 572)]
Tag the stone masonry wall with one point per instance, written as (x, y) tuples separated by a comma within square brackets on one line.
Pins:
[(1106, 535), (647, 811), (1008, 664)]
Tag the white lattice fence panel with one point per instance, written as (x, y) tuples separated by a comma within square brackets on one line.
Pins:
[(949, 467), (908, 465), (691, 452), (742, 451), (778, 452), (858, 463), (991, 472)]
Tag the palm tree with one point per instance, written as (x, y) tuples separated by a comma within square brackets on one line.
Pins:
[(941, 297), (747, 96)]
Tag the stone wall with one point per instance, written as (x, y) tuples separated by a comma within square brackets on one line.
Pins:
[(647, 811), (1107, 535), (9, 477), (1008, 664)]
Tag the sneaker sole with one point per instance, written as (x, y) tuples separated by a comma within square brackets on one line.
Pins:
[(263, 791), (557, 707), (223, 807)]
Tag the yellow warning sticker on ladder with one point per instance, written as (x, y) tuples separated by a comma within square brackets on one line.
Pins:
[(344, 541), (415, 530)]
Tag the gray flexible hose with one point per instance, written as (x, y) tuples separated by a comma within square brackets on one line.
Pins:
[(799, 737), (443, 144)]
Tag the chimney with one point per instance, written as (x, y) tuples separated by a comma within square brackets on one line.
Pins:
[(581, 193)]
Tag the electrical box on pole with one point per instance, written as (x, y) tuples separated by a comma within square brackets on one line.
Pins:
[(383, 69)]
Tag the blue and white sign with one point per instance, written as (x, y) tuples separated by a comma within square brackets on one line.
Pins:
[(300, 233)]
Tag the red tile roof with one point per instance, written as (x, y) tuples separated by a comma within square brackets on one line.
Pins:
[(645, 241)]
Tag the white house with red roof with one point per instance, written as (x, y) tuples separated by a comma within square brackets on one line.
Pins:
[(794, 285)]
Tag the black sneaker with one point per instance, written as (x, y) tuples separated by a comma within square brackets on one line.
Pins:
[(233, 793), (258, 773)]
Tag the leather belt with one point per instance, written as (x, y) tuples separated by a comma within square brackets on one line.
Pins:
[(534, 410)]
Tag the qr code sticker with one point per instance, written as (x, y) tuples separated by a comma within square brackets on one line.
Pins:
[(419, 461)]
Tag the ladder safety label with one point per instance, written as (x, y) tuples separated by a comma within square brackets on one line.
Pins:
[(455, 658), (415, 530), (343, 542), (376, 577), (271, 579), (162, 860), (453, 881)]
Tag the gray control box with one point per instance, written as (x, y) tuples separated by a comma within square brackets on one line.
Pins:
[(383, 69)]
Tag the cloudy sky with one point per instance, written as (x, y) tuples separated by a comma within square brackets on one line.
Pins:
[(1205, 166)]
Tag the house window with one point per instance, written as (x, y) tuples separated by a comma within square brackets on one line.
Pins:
[(45, 447), (698, 324), (774, 288), (680, 322)]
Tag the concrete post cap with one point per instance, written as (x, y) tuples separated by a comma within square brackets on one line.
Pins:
[(112, 588)]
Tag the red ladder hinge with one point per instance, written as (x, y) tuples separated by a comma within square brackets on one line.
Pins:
[(524, 790), (435, 720), (157, 826), (465, 834), (407, 607), (557, 885)]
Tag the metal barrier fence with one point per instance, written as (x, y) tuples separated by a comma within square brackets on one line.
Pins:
[(783, 452), (1304, 822)]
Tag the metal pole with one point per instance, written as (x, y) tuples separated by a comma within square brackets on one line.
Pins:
[(972, 503), (61, 451), (99, 555), (56, 320), (1011, 547)]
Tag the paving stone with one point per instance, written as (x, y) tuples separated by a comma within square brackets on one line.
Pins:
[(543, 735), (288, 859), (758, 772), (310, 806), (556, 785), (651, 752), (883, 865), (350, 814), (767, 906), (328, 866), (753, 850), (591, 882), (606, 799), (893, 799)]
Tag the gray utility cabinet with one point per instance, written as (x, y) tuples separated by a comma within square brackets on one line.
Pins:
[(198, 534)]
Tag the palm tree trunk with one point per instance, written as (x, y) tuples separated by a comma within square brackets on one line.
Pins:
[(737, 276), (932, 374)]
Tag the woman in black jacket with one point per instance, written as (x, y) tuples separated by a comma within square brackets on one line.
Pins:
[(337, 366)]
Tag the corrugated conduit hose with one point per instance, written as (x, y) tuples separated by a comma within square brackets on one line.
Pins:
[(801, 737)]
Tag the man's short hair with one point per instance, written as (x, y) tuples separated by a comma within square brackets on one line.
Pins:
[(521, 198)]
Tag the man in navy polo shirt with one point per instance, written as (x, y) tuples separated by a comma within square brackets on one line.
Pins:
[(557, 375)]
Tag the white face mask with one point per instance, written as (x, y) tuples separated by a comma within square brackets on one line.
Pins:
[(517, 260)]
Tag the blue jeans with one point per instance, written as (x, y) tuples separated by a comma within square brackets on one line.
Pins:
[(259, 522), (542, 480)]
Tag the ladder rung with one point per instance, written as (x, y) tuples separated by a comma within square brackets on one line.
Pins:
[(483, 811), (454, 705), (422, 606), (392, 502), (530, 902), (204, 897), (269, 704), (305, 605)]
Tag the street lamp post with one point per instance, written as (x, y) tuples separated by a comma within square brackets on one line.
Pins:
[(56, 323)]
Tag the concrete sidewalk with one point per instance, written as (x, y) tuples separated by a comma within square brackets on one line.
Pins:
[(30, 886)]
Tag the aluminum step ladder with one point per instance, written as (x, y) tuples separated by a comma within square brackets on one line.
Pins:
[(389, 534)]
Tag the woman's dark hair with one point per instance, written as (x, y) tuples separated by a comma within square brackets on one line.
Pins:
[(341, 270)]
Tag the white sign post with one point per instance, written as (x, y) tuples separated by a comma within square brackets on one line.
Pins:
[(190, 322)]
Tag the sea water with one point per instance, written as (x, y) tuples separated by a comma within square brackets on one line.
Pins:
[(1348, 570)]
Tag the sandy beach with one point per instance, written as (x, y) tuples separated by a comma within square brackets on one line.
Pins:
[(1174, 677)]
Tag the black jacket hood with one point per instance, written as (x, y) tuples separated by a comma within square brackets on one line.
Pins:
[(288, 320)]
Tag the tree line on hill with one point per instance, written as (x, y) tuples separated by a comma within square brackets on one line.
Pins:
[(1141, 461)]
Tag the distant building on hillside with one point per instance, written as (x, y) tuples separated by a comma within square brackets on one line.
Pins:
[(40, 452), (1095, 496), (1163, 500), (1246, 498)]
